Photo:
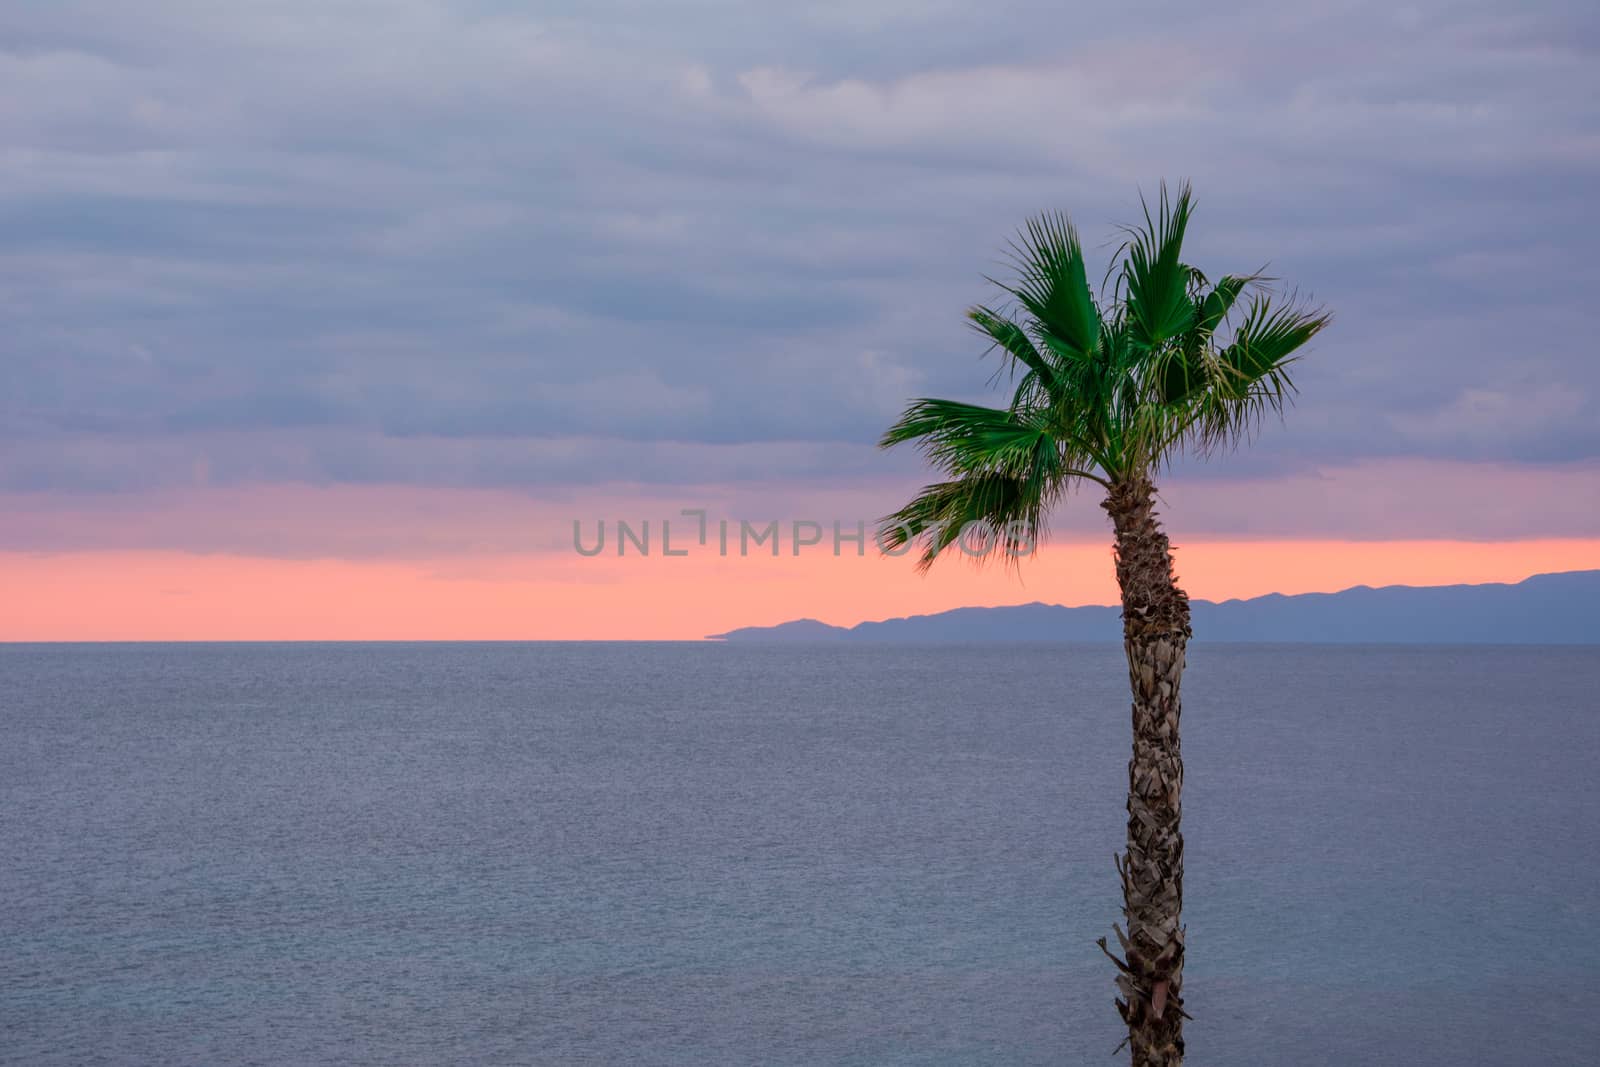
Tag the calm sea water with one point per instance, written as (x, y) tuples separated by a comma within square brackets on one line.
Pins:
[(700, 854)]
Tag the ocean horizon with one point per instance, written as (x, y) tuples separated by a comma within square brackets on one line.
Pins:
[(691, 852)]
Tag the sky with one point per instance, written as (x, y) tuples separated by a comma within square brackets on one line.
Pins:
[(330, 318)]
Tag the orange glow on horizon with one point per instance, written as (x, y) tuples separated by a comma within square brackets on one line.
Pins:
[(156, 596)]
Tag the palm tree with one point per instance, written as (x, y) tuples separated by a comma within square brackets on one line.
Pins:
[(1109, 392)]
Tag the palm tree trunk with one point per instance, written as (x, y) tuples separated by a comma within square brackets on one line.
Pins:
[(1155, 631)]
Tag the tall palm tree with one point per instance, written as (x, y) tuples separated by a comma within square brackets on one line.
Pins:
[(1109, 391)]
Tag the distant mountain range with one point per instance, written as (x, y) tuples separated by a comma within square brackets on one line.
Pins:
[(1547, 609)]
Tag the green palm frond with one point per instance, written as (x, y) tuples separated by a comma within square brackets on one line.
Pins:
[(1215, 305), (1252, 374), (943, 512), (966, 437), (1053, 286), (1109, 390), (1155, 280), (1013, 341), (1269, 336)]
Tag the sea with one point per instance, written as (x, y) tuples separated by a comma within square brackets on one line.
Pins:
[(675, 854)]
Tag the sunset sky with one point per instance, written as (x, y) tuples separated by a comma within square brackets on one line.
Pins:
[(329, 319)]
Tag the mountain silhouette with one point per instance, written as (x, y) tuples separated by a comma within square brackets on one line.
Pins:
[(1546, 609)]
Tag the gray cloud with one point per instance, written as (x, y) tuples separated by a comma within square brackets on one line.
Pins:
[(436, 243)]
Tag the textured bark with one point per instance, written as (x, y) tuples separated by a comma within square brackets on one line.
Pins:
[(1155, 630)]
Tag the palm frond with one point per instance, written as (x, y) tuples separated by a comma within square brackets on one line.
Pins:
[(962, 438), (1155, 280), (1013, 341), (1004, 504), (1251, 376), (1215, 305), (1269, 335), (1052, 285), (1109, 389)]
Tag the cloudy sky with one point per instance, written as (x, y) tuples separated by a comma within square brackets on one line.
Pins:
[(327, 317)]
